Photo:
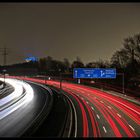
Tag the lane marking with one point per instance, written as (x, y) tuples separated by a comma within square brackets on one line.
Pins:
[(75, 116), (109, 107), (101, 101), (92, 108), (104, 129), (123, 104), (98, 116), (119, 115), (131, 127)]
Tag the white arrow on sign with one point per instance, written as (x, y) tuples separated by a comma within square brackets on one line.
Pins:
[(76, 73), (102, 73)]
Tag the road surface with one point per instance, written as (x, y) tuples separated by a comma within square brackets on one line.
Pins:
[(99, 114), (21, 110)]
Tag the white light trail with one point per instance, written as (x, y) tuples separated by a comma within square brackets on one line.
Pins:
[(29, 94), (18, 90)]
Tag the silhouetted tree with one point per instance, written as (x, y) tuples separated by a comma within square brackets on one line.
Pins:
[(127, 59), (78, 59), (98, 64), (120, 59), (90, 65), (129, 56), (137, 50), (60, 66), (67, 64), (77, 63), (42, 64)]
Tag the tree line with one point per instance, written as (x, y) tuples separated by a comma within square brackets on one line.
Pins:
[(126, 60)]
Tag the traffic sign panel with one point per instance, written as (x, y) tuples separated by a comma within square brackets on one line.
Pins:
[(94, 73)]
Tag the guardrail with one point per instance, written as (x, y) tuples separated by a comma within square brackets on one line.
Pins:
[(94, 83)]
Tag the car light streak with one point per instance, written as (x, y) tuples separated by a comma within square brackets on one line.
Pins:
[(108, 106), (29, 94), (18, 90), (131, 127), (85, 125), (92, 108), (98, 116), (119, 115)]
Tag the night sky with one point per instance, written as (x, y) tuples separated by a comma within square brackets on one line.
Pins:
[(66, 30)]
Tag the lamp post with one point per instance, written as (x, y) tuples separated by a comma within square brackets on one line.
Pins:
[(4, 76), (60, 77), (45, 78), (122, 74)]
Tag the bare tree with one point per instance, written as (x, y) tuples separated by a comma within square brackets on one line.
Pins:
[(67, 64), (42, 64), (120, 59), (78, 59)]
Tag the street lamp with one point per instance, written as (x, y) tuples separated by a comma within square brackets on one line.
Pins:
[(4, 71), (122, 74), (60, 79), (45, 78)]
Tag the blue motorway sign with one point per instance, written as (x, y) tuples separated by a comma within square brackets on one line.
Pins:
[(94, 73)]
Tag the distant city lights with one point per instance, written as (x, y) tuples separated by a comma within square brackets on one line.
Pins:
[(32, 58)]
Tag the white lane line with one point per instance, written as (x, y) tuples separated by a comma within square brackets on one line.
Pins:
[(75, 114), (92, 108), (109, 107), (131, 127), (119, 115), (98, 116), (122, 104), (104, 129), (101, 101)]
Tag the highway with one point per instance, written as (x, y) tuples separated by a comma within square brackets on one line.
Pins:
[(99, 114), (24, 109)]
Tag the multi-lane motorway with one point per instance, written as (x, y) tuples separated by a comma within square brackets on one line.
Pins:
[(99, 114), (95, 113)]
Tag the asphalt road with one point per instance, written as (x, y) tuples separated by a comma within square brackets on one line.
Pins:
[(23, 118), (55, 125), (99, 114)]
